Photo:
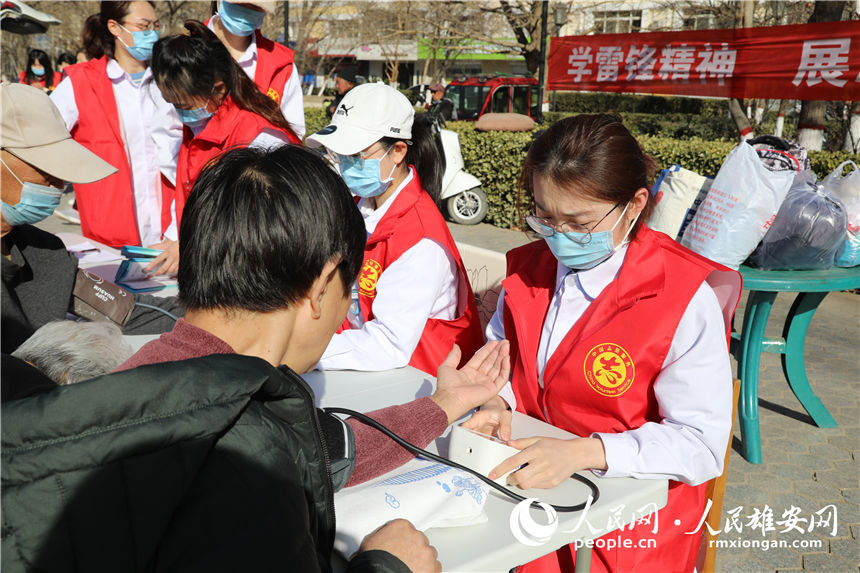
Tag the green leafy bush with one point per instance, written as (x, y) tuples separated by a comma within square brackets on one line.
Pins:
[(581, 102), (678, 125), (824, 162), (315, 119), (495, 158)]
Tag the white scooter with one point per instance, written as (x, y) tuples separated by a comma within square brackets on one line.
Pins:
[(462, 195)]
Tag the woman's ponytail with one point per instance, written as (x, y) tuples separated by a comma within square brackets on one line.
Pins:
[(423, 153), (96, 39)]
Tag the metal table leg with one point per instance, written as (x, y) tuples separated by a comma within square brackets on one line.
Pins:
[(583, 560), (755, 320), (796, 324)]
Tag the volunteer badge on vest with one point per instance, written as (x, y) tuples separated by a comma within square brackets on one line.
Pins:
[(273, 93), (608, 370), (368, 277)]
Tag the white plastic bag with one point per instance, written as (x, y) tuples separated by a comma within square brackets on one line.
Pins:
[(847, 190), (678, 193), (738, 209)]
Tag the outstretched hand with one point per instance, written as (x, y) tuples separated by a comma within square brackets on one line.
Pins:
[(167, 263), (481, 378)]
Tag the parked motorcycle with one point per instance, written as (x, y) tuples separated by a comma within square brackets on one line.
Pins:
[(463, 199)]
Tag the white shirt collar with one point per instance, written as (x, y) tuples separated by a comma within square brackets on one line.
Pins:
[(116, 73), (372, 216), (249, 56), (592, 281)]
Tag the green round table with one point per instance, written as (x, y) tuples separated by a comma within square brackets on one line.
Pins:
[(811, 288)]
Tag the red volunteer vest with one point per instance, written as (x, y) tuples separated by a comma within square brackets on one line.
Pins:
[(601, 377), (274, 67), (230, 126), (413, 216), (57, 77), (106, 207)]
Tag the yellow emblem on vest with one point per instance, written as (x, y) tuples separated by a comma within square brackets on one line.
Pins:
[(609, 370), (368, 277), (273, 93)]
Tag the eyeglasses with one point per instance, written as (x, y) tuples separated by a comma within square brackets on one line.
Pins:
[(543, 227), (144, 25), (356, 159)]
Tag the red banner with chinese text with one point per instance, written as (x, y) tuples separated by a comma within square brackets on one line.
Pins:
[(804, 61)]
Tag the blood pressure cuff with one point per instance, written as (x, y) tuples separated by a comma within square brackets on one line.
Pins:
[(95, 298)]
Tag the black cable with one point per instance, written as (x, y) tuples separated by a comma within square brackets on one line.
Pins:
[(159, 309), (595, 492)]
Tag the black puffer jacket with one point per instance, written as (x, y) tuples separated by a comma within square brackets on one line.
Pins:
[(210, 464)]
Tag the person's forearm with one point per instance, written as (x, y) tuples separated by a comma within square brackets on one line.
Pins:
[(418, 422)]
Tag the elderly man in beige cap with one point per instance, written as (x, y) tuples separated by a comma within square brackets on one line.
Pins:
[(38, 155)]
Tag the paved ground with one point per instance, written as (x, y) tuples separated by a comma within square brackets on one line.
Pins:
[(804, 466)]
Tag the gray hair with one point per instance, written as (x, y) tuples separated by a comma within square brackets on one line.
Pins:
[(67, 351)]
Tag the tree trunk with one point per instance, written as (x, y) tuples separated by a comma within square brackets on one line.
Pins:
[(745, 130), (810, 124), (743, 18), (852, 134), (780, 118)]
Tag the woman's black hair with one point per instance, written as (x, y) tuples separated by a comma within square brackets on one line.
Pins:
[(190, 65), (95, 36), (423, 153), (66, 58), (34, 56), (260, 225)]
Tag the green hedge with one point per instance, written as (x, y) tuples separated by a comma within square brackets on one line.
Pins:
[(315, 119), (496, 159), (628, 103)]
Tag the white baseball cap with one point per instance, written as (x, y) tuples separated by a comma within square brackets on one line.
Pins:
[(34, 131), (366, 114)]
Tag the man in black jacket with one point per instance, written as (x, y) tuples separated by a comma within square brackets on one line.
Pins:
[(344, 82), (441, 105), (209, 455)]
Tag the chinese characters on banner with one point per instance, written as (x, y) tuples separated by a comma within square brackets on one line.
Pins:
[(804, 61)]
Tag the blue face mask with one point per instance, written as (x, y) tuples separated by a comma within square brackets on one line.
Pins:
[(581, 257), (37, 72), (36, 204), (239, 20), (362, 175), (143, 43), (194, 118)]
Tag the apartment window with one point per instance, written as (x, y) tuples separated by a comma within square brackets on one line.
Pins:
[(617, 21), (700, 22)]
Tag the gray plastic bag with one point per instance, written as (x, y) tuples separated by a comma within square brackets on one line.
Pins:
[(806, 233)]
